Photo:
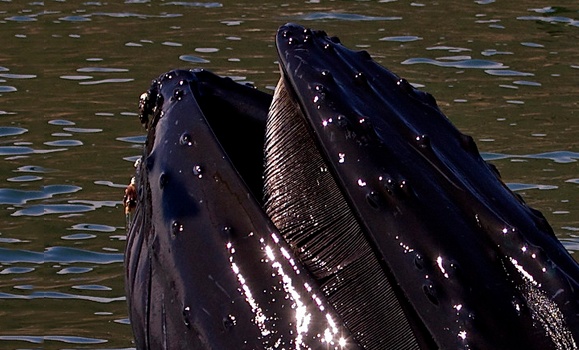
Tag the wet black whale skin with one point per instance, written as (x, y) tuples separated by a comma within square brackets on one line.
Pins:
[(200, 272), (474, 266), (471, 257)]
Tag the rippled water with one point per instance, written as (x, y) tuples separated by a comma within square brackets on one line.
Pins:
[(71, 73)]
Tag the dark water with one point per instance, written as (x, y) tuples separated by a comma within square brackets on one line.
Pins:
[(70, 76)]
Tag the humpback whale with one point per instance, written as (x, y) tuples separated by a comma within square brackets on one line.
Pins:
[(343, 212)]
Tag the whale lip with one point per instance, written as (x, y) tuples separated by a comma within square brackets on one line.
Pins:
[(445, 224), (205, 267)]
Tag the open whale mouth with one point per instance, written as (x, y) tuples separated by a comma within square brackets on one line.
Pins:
[(344, 212)]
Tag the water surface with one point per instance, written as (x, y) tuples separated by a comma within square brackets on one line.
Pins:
[(71, 73)]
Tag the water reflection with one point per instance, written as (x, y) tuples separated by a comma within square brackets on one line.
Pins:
[(458, 62), (72, 72)]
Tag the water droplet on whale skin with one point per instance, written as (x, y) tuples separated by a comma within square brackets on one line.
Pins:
[(423, 141), (163, 180), (419, 261), (178, 94), (405, 85), (319, 87), (360, 78), (187, 316), (185, 139), (373, 200), (430, 293), (229, 322), (176, 227), (326, 74), (198, 171)]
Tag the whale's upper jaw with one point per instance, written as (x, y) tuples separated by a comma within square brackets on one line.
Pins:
[(479, 266)]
